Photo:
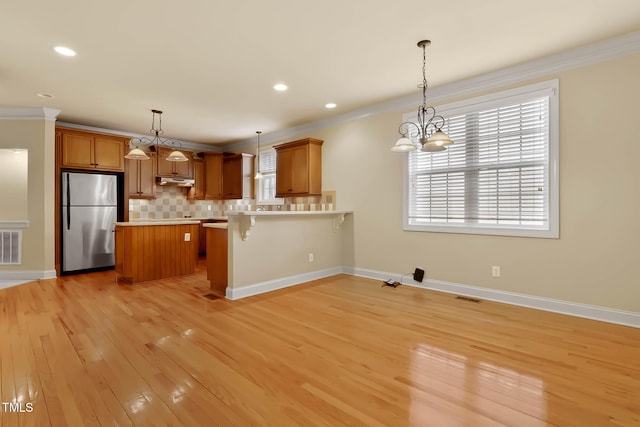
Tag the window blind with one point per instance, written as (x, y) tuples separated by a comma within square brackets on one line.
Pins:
[(495, 174), (267, 185)]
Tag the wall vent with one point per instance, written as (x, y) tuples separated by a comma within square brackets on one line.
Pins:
[(10, 247)]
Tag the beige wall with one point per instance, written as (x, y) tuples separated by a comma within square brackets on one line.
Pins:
[(278, 247), (14, 168), (595, 261), (37, 135)]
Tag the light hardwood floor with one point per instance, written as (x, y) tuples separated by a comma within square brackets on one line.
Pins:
[(84, 350)]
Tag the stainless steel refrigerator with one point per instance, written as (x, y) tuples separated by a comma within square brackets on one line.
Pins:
[(89, 211)]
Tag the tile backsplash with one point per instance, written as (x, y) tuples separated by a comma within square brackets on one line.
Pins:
[(172, 202)]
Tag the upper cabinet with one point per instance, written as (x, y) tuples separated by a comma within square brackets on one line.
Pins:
[(237, 176), (299, 168), (142, 178), (169, 169), (88, 150), (197, 191), (213, 176)]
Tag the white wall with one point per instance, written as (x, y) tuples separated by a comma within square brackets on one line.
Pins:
[(14, 167)]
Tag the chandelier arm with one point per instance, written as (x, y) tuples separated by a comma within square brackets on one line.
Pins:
[(405, 126)]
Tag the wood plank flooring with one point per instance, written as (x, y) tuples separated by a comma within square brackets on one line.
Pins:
[(86, 351)]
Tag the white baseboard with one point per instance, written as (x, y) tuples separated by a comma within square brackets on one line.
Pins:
[(10, 278), (620, 317), (285, 282)]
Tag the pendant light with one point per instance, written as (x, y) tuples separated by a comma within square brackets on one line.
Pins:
[(258, 174), (157, 141), (428, 130)]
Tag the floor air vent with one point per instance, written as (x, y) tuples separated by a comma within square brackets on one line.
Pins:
[(10, 247), (211, 296), (463, 298)]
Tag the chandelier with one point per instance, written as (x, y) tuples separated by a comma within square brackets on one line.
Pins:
[(157, 141), (428, 130)]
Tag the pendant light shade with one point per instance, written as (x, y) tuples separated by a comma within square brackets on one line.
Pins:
[(136, 154), (177, 156), (403, 144)]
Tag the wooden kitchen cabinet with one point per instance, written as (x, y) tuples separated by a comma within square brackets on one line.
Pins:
[(89, 150), (168, 169), (217, 259), (299, 168), (237, 176), (142, 178), (197, 191), (213, 176)]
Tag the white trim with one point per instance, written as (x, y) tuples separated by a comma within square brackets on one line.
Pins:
[(29, 113), (550, 88), (28, 275), (539, 68), (14, 224), (285, 282), (604, 314)]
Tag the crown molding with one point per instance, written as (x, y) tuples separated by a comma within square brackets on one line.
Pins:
[(598, 52), (29, 113)]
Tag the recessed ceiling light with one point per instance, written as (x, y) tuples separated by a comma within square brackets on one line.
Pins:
[(65, 51), (330, 105), (45, 95), (280, 87)]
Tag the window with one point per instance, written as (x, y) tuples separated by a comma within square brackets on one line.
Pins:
[(267, 185), (500, 175)]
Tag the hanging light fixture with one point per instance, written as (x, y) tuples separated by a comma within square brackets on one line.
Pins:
[(428, 130), (137, 154), (258, 174)]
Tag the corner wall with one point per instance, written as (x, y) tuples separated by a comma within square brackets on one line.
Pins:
[(596, 260), (34, 129)]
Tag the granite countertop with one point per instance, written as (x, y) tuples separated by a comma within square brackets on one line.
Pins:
[(222, 225), (165, 222), (172, 220)]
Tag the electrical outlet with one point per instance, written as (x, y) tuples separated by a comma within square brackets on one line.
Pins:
[(187, 237), (208, 207), (311, 257), (495, 271)]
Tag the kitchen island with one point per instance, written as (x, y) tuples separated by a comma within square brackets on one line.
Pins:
[(150, 250)]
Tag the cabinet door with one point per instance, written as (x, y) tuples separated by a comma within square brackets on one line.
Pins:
[(184, 169), (283, 175), (197, 191), (232, 178), (147, 177), (300, 169), (77, 151), (164, 167), (108, 154), (213, 176), (133, 179), (142, 179)]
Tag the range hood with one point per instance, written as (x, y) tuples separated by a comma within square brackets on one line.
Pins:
[(180, 182)]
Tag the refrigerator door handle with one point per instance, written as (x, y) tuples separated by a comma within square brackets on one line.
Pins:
[(68, 204)]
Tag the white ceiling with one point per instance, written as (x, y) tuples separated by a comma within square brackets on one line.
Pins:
[(210, 65)]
